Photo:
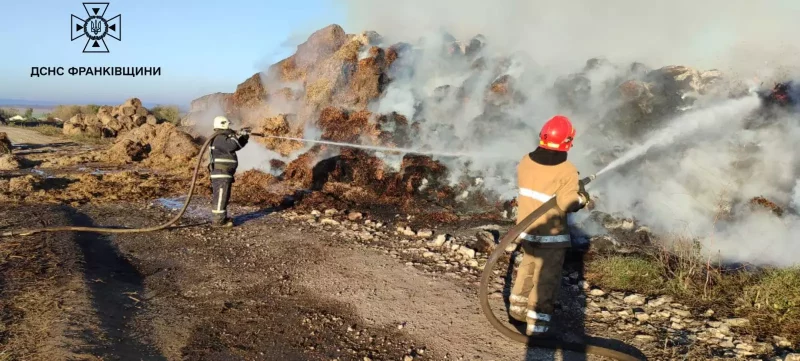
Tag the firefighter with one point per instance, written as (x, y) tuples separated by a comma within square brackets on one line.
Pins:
[(541, 175), (222, 166)]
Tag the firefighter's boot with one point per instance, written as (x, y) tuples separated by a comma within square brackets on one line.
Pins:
[(221, 220), (538, 324)]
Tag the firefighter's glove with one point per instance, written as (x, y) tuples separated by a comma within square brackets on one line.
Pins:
[(243, 139), (244, 131)]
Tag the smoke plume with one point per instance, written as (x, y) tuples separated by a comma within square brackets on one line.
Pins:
[(735, 35), (689, 174), (691, 179)]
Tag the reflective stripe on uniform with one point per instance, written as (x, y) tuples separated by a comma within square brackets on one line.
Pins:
[(237, 142), (558, 238), (221, 160), (518, 299), (530, 193), (550, 144), (216, 176), (537, 329), (538, 316), (219, 200), (218, 212), (520, 310)]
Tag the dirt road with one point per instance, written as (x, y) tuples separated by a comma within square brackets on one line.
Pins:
[(267, 290), (27, 136)]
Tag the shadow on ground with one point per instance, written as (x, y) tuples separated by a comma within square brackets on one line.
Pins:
[(116, 288), (569, 323)]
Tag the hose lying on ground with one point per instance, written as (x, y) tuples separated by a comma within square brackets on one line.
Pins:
[(549, 343), (28, 232), (513, 233)]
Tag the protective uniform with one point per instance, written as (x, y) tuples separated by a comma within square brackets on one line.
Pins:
[(222, 165), (543, 174)]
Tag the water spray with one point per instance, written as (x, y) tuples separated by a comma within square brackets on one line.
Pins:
[(686, 124), (379, 148)]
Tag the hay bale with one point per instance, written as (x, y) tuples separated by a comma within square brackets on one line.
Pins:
[(5, 144), (162, 145), (109, 121), (253, 188), (320, 45), (369, 79), (127, 110), (280, 125), (300, 170), (9, 161), (250, 93), (358, 167), (761, 202), (133, 102), (573, 91), (22, 185), (339, 125)]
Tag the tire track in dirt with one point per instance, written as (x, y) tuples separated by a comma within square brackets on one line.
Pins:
[(115, 288), (52, 279), (268, 290)]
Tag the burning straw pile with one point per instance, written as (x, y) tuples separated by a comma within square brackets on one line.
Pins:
[(348, 88)]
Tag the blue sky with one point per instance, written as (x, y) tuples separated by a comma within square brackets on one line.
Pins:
[(201, 46)]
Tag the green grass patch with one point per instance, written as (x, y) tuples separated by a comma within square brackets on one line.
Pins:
[(48, 130), (86, 139), (54, 131), (627, 274), (167, 113), (772, 303), (768, 297)]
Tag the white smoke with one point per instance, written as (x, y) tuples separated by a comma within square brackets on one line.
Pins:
[(734, 35), (256, 157), (252, 156), (796, 196), (202, 119), (701, 166), (685, 178)]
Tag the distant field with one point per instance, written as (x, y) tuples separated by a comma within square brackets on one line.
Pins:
[(37, 111)]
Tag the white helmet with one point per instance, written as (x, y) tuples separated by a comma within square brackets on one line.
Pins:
[(221, 122)]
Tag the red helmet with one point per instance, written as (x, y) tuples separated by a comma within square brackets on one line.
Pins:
[(557, 134)]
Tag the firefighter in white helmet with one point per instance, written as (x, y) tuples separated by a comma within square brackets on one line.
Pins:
[(222, 165)]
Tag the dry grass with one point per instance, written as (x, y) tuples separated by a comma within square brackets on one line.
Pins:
[(167, 113), (348, 52), (48, 130), (35, 281), (8, 112), (65, 112), (319, 92), (53, 131), (768, 297)]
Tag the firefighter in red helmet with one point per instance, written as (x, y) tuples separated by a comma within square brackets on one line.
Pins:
[(541, 175)]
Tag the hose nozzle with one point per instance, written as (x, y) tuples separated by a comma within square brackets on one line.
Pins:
[(588, 179)]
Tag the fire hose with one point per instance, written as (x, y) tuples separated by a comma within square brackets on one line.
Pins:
[(543, 342), (28, 232), (513, 234)]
